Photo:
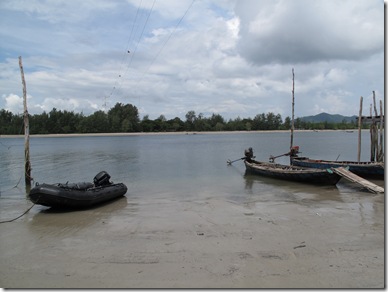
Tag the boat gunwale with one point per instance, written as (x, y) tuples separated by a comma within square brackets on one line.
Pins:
[(281, 168), (341, 162)]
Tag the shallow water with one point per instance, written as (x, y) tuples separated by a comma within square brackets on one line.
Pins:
[(167, 165)]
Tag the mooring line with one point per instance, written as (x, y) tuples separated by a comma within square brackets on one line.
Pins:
[(18, 216)]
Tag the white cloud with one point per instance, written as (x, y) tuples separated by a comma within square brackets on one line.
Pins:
[(71, 104), (228, 57), (13, 103), (331, 102), (303, 31)]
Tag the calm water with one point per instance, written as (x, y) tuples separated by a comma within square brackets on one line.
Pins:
[(171, 166)]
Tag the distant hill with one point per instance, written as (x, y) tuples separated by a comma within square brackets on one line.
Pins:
[(325, 117)]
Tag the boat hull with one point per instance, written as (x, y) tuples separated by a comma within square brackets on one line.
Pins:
[(363, 169), (293, 173), (59, 196)]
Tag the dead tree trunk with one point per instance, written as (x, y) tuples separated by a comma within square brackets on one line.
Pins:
[(27, 164)]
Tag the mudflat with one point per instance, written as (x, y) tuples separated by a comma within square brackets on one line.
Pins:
[(208, 242)]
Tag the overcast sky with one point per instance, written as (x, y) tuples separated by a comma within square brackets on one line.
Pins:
[(229, 57)]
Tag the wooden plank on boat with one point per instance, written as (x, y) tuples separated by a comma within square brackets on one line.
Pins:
[(357, 179)]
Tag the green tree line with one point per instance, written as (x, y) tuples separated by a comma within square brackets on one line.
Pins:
[(124, 118)]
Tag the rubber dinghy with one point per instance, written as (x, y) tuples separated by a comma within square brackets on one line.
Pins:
[(77, 195)]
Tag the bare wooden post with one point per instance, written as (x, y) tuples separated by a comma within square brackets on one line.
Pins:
[(374, 141), (374, 103), (381, 144), (293, 104), (359, 131), (373, 132), (27, 165), (372, 147)]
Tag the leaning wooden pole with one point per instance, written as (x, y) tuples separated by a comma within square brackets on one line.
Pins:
[(293, 105), (27, 164), (359, 131)]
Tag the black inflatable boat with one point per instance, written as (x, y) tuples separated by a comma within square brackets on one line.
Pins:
[(77, 195)]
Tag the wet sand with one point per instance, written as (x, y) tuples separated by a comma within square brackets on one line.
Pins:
[(164, 242)]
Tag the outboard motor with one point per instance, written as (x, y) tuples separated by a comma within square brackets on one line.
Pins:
[(101, 179), (294, 151), (248, 154)]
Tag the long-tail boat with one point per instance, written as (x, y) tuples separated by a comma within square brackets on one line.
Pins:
[(290, 172), (363, 169)]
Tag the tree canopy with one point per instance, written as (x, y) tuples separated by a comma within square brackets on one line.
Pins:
[(123, 118)]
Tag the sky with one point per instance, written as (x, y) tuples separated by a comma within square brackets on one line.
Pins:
[(167, 57)]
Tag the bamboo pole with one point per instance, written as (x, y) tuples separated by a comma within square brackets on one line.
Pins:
[(374, 103), (375, 130), (293, 104), (372, 146), (381, 144), (374, 142), (27, 164), (359, 131)]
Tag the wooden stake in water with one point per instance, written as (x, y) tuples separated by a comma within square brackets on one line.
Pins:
[(359, 131), (293, 103), (27, 164), (374, 133), (381, 143)]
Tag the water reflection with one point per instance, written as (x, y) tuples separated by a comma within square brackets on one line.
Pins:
[(346, 200), (65, 219), (270, 189), (109, 206)]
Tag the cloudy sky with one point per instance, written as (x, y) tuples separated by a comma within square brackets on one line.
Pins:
[(230, 57)]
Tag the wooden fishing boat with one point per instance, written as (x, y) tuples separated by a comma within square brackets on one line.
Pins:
[(77, 195), (363, 169), (292, 173)]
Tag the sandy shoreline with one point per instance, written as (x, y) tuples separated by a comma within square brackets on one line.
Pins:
[(161, 133), (140, 242)]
